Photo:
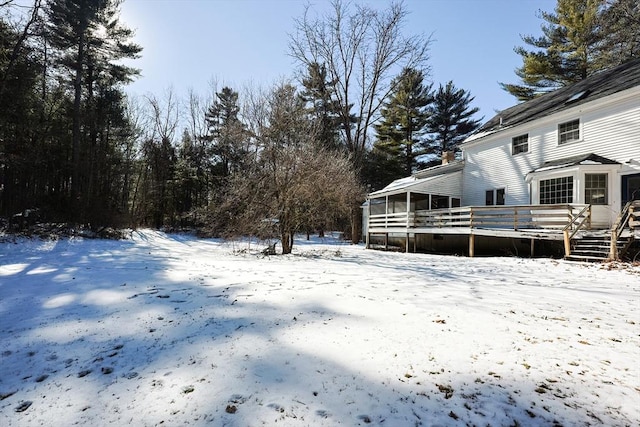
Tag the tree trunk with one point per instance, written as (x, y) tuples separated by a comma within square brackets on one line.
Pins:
[(356, 224), (286, 239), (77, 103)]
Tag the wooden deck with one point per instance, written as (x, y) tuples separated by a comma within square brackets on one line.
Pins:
[(537, 222), (541, 219)]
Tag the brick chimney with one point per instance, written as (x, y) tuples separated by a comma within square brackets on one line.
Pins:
[(448, 156)]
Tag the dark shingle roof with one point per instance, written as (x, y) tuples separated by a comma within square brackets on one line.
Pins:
[(593, 87), (590, 158)]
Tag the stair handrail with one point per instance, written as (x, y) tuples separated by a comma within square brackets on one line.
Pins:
[(569, 235), (621, 222)]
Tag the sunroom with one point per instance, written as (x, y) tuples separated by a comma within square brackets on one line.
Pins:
[(399, 206)]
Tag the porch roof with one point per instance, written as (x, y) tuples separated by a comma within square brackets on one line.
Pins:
[(584, 159), (401, 185), (419, 178)]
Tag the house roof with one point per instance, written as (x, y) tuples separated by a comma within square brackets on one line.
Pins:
[(584, 159), (599, 85)]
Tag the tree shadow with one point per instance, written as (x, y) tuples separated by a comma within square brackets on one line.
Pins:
[(110, 334)]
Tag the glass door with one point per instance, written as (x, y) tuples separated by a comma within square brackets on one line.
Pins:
[(630, 188)]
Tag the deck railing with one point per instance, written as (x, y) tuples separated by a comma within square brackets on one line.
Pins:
[(518, 217), (628, 217)]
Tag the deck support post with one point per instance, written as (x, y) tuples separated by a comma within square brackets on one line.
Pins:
[(613, 246), (386, 241), (567, 244), (533, 247), (472, 249)]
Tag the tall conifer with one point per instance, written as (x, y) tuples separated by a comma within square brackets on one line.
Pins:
[(450, 120), (404, 116)]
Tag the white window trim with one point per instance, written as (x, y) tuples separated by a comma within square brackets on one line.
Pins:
[(607, 189), (513, 146), (573, 141), (574, 187)]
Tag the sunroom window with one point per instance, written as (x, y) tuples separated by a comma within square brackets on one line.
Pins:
[(556, 190)]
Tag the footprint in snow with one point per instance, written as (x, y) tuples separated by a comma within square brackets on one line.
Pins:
[(23, 406), (277, 407), (4, 395), (84, 373), (238, 398), (365, 419), (322, 413)]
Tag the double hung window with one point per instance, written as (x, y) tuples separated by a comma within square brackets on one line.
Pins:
[(520, 144), (595, 189), (568, 132)]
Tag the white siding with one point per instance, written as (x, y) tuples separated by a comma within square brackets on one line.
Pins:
[(610, 127), (443, 185)]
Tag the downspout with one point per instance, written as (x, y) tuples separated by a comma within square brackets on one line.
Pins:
[(408, 220)]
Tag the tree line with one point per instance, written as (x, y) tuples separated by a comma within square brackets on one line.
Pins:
[(297, 156)]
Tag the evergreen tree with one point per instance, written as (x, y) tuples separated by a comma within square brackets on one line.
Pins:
[(620, 26), (404, 116), (450, 120), (564, 54), (323, 108), (19, 107), (89, 42), (226, 132)]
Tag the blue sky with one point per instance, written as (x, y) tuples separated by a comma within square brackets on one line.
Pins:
[(190, 43)]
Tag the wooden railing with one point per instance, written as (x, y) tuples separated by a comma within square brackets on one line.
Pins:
[(519, 217), (580, 221), (627, 217)]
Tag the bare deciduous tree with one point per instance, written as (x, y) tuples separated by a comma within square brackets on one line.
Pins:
[(361, 48), (292, 182)]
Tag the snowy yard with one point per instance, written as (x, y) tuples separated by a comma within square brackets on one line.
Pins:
[(171, 330)]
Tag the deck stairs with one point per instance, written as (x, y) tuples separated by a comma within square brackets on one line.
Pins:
[(597, 247)]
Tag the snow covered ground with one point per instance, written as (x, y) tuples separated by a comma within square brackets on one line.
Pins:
[(171, 330)]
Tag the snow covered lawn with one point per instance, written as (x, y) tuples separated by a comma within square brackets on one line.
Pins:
[(171, 330)]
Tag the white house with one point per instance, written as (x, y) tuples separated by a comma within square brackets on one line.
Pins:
[(572, 150)]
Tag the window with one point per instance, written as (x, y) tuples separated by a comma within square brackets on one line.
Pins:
[(569, 131), (439, 202), (488, 198), (556, 190), (494, 197), (520, 144), (595, 188)]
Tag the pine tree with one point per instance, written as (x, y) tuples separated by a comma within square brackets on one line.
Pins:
[(620, 26), (323, 108), (226, 132), (450, 120), (404, 116), (564, 54), (89, 42)]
